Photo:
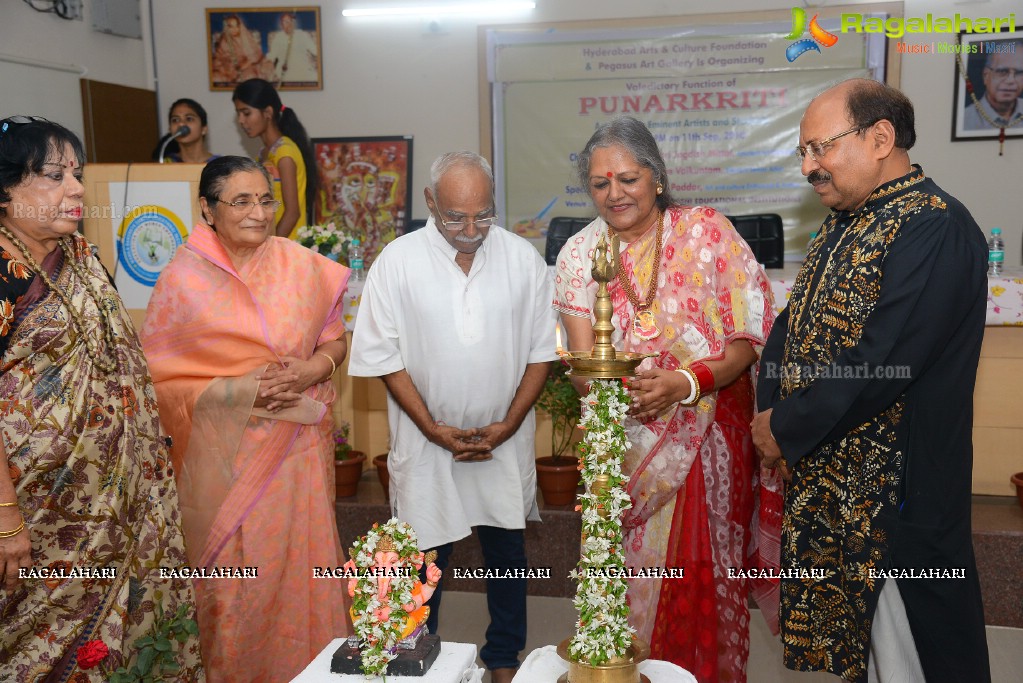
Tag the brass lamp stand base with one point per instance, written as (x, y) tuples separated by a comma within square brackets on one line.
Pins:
[(591, 367), (624, 670)]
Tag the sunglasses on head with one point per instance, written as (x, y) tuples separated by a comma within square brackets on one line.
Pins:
[(19, 120)]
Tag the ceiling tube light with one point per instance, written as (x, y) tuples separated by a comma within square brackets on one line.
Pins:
[(468, 8)]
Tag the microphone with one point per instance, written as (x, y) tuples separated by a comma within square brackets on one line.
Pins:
[(180, 132)]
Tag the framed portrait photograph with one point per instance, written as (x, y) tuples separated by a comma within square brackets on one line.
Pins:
[(278, 44), (988, 86), (365, 187)]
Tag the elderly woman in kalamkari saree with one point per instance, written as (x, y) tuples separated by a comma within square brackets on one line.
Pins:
[(88, 506)]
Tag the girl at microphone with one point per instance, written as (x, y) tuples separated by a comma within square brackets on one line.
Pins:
[(286, 154), (189, 147)]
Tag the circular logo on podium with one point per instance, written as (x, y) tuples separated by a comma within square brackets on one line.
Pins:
[(147, 240)]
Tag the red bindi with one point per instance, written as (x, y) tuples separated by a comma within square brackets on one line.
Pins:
[(610, 174)]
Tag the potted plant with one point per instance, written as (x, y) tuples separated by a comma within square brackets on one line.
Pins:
[(347, 463), (558, 474)]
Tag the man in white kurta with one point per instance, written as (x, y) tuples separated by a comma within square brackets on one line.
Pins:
[(293, 52), (456, 319)]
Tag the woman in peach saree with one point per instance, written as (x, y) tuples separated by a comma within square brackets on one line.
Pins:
[(243, 333)]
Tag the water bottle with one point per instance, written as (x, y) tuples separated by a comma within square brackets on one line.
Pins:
[(355, 262), (995, 253)]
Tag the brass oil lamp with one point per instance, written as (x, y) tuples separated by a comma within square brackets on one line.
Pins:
[(604, 362)]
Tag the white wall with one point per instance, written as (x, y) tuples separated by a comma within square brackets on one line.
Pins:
[(46, 41), (389, 77), (384, 76), (990, 186)]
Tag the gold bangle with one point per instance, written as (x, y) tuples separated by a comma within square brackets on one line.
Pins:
[(8, 505), (9, 534), (333, 365), (694, 395), (431, 584)]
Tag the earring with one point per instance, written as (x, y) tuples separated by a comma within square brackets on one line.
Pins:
[(660, 189)]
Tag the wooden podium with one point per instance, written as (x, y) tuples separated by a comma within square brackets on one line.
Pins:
[(137, 215)]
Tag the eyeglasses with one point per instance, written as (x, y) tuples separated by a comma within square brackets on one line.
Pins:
[(482, 223), (248, 205), (1008, 72), (816, 150), (20, 121)]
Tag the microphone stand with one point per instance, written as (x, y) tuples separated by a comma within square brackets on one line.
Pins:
[(177, 134)]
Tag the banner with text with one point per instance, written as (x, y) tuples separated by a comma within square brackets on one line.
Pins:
[(725, 111)]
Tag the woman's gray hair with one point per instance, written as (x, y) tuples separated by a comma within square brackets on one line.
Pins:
[(635, 137), (446, 162)]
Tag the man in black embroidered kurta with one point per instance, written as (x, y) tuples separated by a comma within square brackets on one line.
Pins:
[(866, 384)]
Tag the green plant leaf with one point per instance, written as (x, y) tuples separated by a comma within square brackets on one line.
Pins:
[(145, 660), (562, 403), (163, 645)]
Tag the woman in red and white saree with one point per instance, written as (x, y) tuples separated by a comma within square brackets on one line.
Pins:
[(690, 292), (243, 333)]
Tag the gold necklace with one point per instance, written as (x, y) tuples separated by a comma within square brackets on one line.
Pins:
[(104, 364), (643, 326)]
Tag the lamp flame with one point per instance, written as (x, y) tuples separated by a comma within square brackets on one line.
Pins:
[(557, 335)]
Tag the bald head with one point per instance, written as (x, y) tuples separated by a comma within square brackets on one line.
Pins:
[(867, 101), (855, 136)]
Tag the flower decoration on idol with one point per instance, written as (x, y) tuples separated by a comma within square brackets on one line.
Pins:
[(603, 632), (387, 596), (327, 239)]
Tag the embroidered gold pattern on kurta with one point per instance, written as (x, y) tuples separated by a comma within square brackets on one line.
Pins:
[(841, 506)]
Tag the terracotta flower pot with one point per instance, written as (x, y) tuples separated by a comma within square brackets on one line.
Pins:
[(385, 477), (1017, 479), (347, 473), (558, 479)]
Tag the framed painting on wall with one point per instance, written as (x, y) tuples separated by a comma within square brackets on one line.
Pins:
[(278, 44), (365, 187), (988, 86)]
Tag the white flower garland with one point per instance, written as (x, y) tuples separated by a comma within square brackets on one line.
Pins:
[(378, 638), (603, 632)]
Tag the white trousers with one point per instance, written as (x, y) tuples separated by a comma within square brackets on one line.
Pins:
[(893, 655)]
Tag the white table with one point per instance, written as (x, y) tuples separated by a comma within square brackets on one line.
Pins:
[(543, 665), (456, 663)]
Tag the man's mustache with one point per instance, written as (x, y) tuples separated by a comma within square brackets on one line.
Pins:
[(818, 176)]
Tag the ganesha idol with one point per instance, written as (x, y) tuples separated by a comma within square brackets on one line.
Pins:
[(387, 564)]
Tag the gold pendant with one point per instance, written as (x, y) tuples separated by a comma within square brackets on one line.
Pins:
[(644, 327)]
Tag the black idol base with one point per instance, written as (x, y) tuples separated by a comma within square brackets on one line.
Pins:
[(348, 660)]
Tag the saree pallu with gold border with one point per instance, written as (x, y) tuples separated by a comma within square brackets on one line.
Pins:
[(257, 489), (700, 500), (94, 485)]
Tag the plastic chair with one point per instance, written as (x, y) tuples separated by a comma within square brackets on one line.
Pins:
[(764, 235), (415, 224), (558, 231)]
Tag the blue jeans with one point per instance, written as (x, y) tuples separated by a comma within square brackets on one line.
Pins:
[(506, 598)]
